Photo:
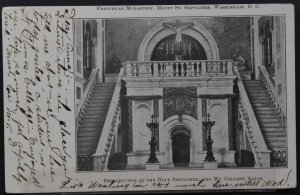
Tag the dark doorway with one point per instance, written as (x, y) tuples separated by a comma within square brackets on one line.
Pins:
[(181, 150)]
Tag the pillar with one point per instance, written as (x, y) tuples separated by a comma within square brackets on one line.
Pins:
[(257, 48), (99, 51)]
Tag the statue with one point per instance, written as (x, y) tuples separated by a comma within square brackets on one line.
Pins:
[(178, 28), (240, 62), (115, 63)]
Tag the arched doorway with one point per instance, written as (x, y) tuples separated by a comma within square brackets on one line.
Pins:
[(181, 147)]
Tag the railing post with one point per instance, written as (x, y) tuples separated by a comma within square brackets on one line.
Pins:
[(134, 72), (169, 69), (229, 68), (223, 67), (155, 70), (176, 72), (203, 68), (128, 70)]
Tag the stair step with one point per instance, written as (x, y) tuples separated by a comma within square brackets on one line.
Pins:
[(101, 99), (87, 144), (105, 90), (86, 150), (104, 106), (256, 90), (268, 120), (277, 124), (102, 92), (92, 121), (261, 104), (91, 130), (91, 126), (275, 134), (254, 98), (275, 129), (246, 84), (267, 116), (88, 134), (266, 112), (276, 145), (260, 100), (252, 81), (104, 83), (275, 138), (258, 94), (104, 87), (86, 139), (250, 86), (100, 103), (96, 95), (83, 130), (263, 108), (101, 111), (94, 116)]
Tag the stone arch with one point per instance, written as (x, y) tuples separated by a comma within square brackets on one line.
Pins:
[(180, 129), (197, 31), (172, 123), (171, 127)]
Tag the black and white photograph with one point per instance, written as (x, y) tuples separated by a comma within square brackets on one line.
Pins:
[(149, 98), (180, 93)]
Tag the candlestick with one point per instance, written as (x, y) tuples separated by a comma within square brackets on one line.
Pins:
[(208, 125), (152, 126), (167, 48)]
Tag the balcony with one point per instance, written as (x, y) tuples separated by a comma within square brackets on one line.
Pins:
[(181, 69)]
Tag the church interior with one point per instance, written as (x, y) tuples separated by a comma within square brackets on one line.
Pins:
[(187, 92)]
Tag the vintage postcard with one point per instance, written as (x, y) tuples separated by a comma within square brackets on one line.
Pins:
[(149, 98)]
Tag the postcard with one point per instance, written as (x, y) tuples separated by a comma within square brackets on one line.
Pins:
[(149, 98)]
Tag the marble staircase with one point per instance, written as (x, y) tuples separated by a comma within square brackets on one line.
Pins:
[(91, 124), (272, 128)]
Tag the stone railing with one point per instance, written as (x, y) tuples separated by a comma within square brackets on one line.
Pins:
[(251, 127), (265, 77), (110, 126), (82, 107), (192, 68)]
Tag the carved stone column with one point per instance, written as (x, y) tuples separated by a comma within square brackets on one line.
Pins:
[(204, 109), (156, 114), (231, 134), (129, 125)]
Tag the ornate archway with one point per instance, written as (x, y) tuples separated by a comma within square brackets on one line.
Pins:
[(182, 126), (160, 31)]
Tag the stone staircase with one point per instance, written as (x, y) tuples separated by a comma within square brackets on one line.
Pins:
[(272, 128), (90, 128)]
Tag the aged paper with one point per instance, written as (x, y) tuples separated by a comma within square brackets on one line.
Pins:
[(142, 98)]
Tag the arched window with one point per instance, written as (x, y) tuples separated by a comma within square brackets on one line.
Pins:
[(87, 50), (268, 45)]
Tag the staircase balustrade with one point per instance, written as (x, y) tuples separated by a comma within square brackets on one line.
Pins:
[(265, 77), (82, 107), (191, 68), (251, 127), (278, 155), (110, 126)]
